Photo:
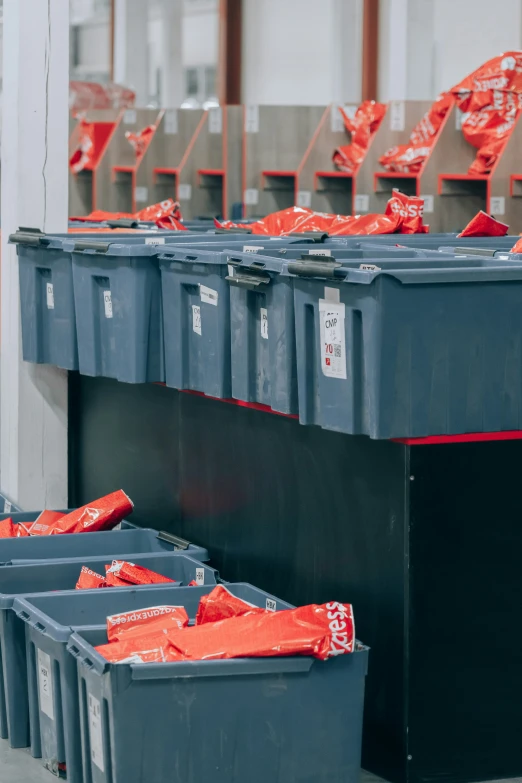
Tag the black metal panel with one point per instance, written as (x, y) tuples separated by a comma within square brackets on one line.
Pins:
[(465, 639), (307, 514)]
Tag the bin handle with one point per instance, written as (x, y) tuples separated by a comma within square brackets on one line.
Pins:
[(123, 223), (170, 538), (233, 231), (315, 268), (472, 251), (315, 236), (87, 656), (29, 236), (91, 244), (248, 278), (223, 668)]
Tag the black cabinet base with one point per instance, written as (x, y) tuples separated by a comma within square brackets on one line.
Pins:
[(425, 541)]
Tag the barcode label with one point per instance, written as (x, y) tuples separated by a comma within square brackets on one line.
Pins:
[(95, 733), (271, 605), (264, 322), (107, 303), (200, 576), (196, 319), (208, 295), (45, 684), (333, 351)]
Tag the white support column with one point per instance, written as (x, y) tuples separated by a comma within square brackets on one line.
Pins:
[(393, 50), (33, 402), (172, 91), (131, 54)]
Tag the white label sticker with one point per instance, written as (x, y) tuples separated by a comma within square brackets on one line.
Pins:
[(251, 119), (107, 303), (171, 122), (215, 120), (497, 205), (251, 196), (251, 248), (230, 269), (271, 605), (429, 204), (333, 350), (141, 194), (208, 295), (155, 241), (129, 118), (49, 290), (397, 116), (200, 576), (7, 506), (332, 294), (459, 119), (369, 268), (95, 733), (320, 252), (361, 203), (45, 684), (185, 192), (264, 322), (304, 198), (337, 119), (196, 319)]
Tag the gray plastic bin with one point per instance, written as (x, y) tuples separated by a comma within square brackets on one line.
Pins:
[(292, 719), (262, 332), (107, 543), (409, 350), (53, 696), (46, 293), (196, 313), (17, 580)]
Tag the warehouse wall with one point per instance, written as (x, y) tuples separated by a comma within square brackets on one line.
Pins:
[(427, 46), (301, 51)]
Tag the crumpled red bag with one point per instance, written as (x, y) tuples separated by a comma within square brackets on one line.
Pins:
[(409, 158), (7, 528), (483, 225), (83, 155), (120, 571), (42, 523), (491, 98), (89, 580), (141, 140), (220, 604), (366, 121), (102, 514), (321, 631), (137, 621), (148, 648), (165, 214), (403, 215)]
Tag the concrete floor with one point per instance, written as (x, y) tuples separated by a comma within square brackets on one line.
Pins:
[(17, 766)]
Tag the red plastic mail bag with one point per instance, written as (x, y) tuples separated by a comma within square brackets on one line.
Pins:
[(89, 580), (150, 648), (361, 127), (102, 514), (7, 528), (321, 631), (220, 604), (141, 140), (483, 225), (138, 621), (83, 155)]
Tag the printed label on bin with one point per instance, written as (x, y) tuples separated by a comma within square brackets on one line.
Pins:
[(264, 322), (45, 684), (369, 268), (49, 290), (196, 319), (7, 506), (321, 252), (251, 196), (208, 295), (271, 605), (497, 205), (200, 576), (304, 198), (251, 248), (333, 347), (361, 203), (95, 733), (230, 269), (185, 192), (141, 194), (107, 303), (155, 241)]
